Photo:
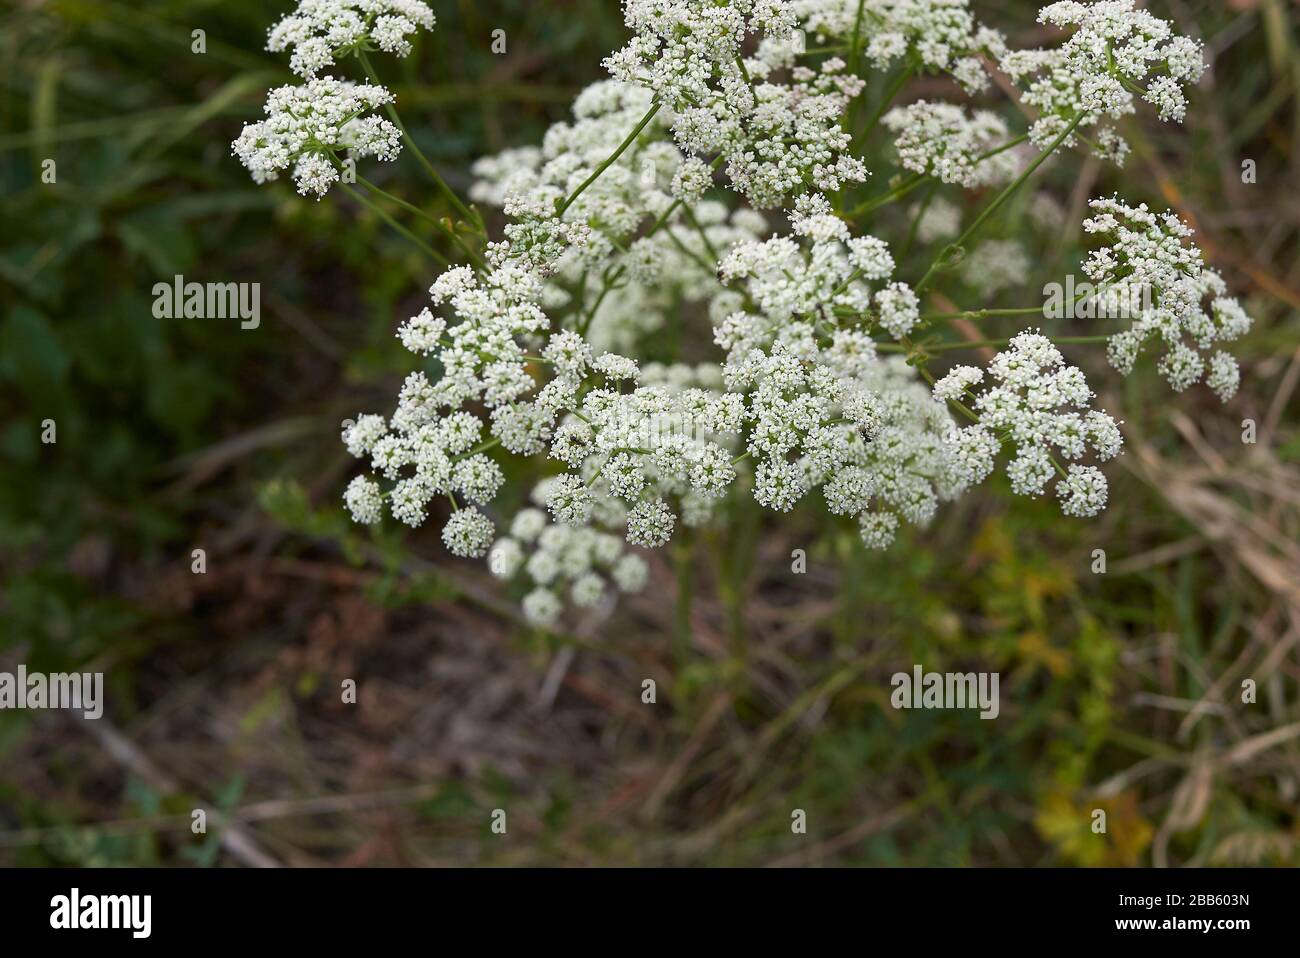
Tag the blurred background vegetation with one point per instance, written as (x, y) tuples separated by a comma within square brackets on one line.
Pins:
[(1120, 691)]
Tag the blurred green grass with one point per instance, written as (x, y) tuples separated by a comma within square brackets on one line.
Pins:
[(177, 435)]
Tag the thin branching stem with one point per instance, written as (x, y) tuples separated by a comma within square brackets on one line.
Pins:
[(461, 209), (442, 227), (611, 159), (383, 214), (960, 241)]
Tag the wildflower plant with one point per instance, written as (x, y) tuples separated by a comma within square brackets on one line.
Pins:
[(716, 178)]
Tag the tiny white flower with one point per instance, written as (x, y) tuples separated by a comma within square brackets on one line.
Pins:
[(308, 126), (321, 31), (364, 500), (630, 573), (650, 523), (542, 607), (878, 529), (587, 590), (468, 533), (1083, 491), (505, 558), (569, 500)]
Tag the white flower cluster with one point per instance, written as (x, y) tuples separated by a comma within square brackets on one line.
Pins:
[(629, 450), (320, 32), (556, 560), (841, 419), (308, 126), (617, 239), (939, 34), (779, 137), (793, 137), (1034, 404), (1045, 213), (1147, 262), (529, 182), (426, 453), (907, 459), (652, 180), (823, 410), (941, 140), (995, 265), (662, 271), (937, 219), (820, 272), (632, 453), (1114, 49)]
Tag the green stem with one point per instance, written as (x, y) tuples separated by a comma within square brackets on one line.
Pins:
[(917, 179), (916, 224), (976, 343), (704, 237), (663, 218), (363, 199), (885, 101), (607, 284), (676, 204), (688, 253), (984, 313), (1016, 311), (856, 60), (481, 447), (473, 257), (740, 62), (1003, 148), (1001, 198), (611, 159), (455, 200), (897, 193)]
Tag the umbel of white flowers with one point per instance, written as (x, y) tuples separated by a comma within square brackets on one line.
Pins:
[(619, 229)]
